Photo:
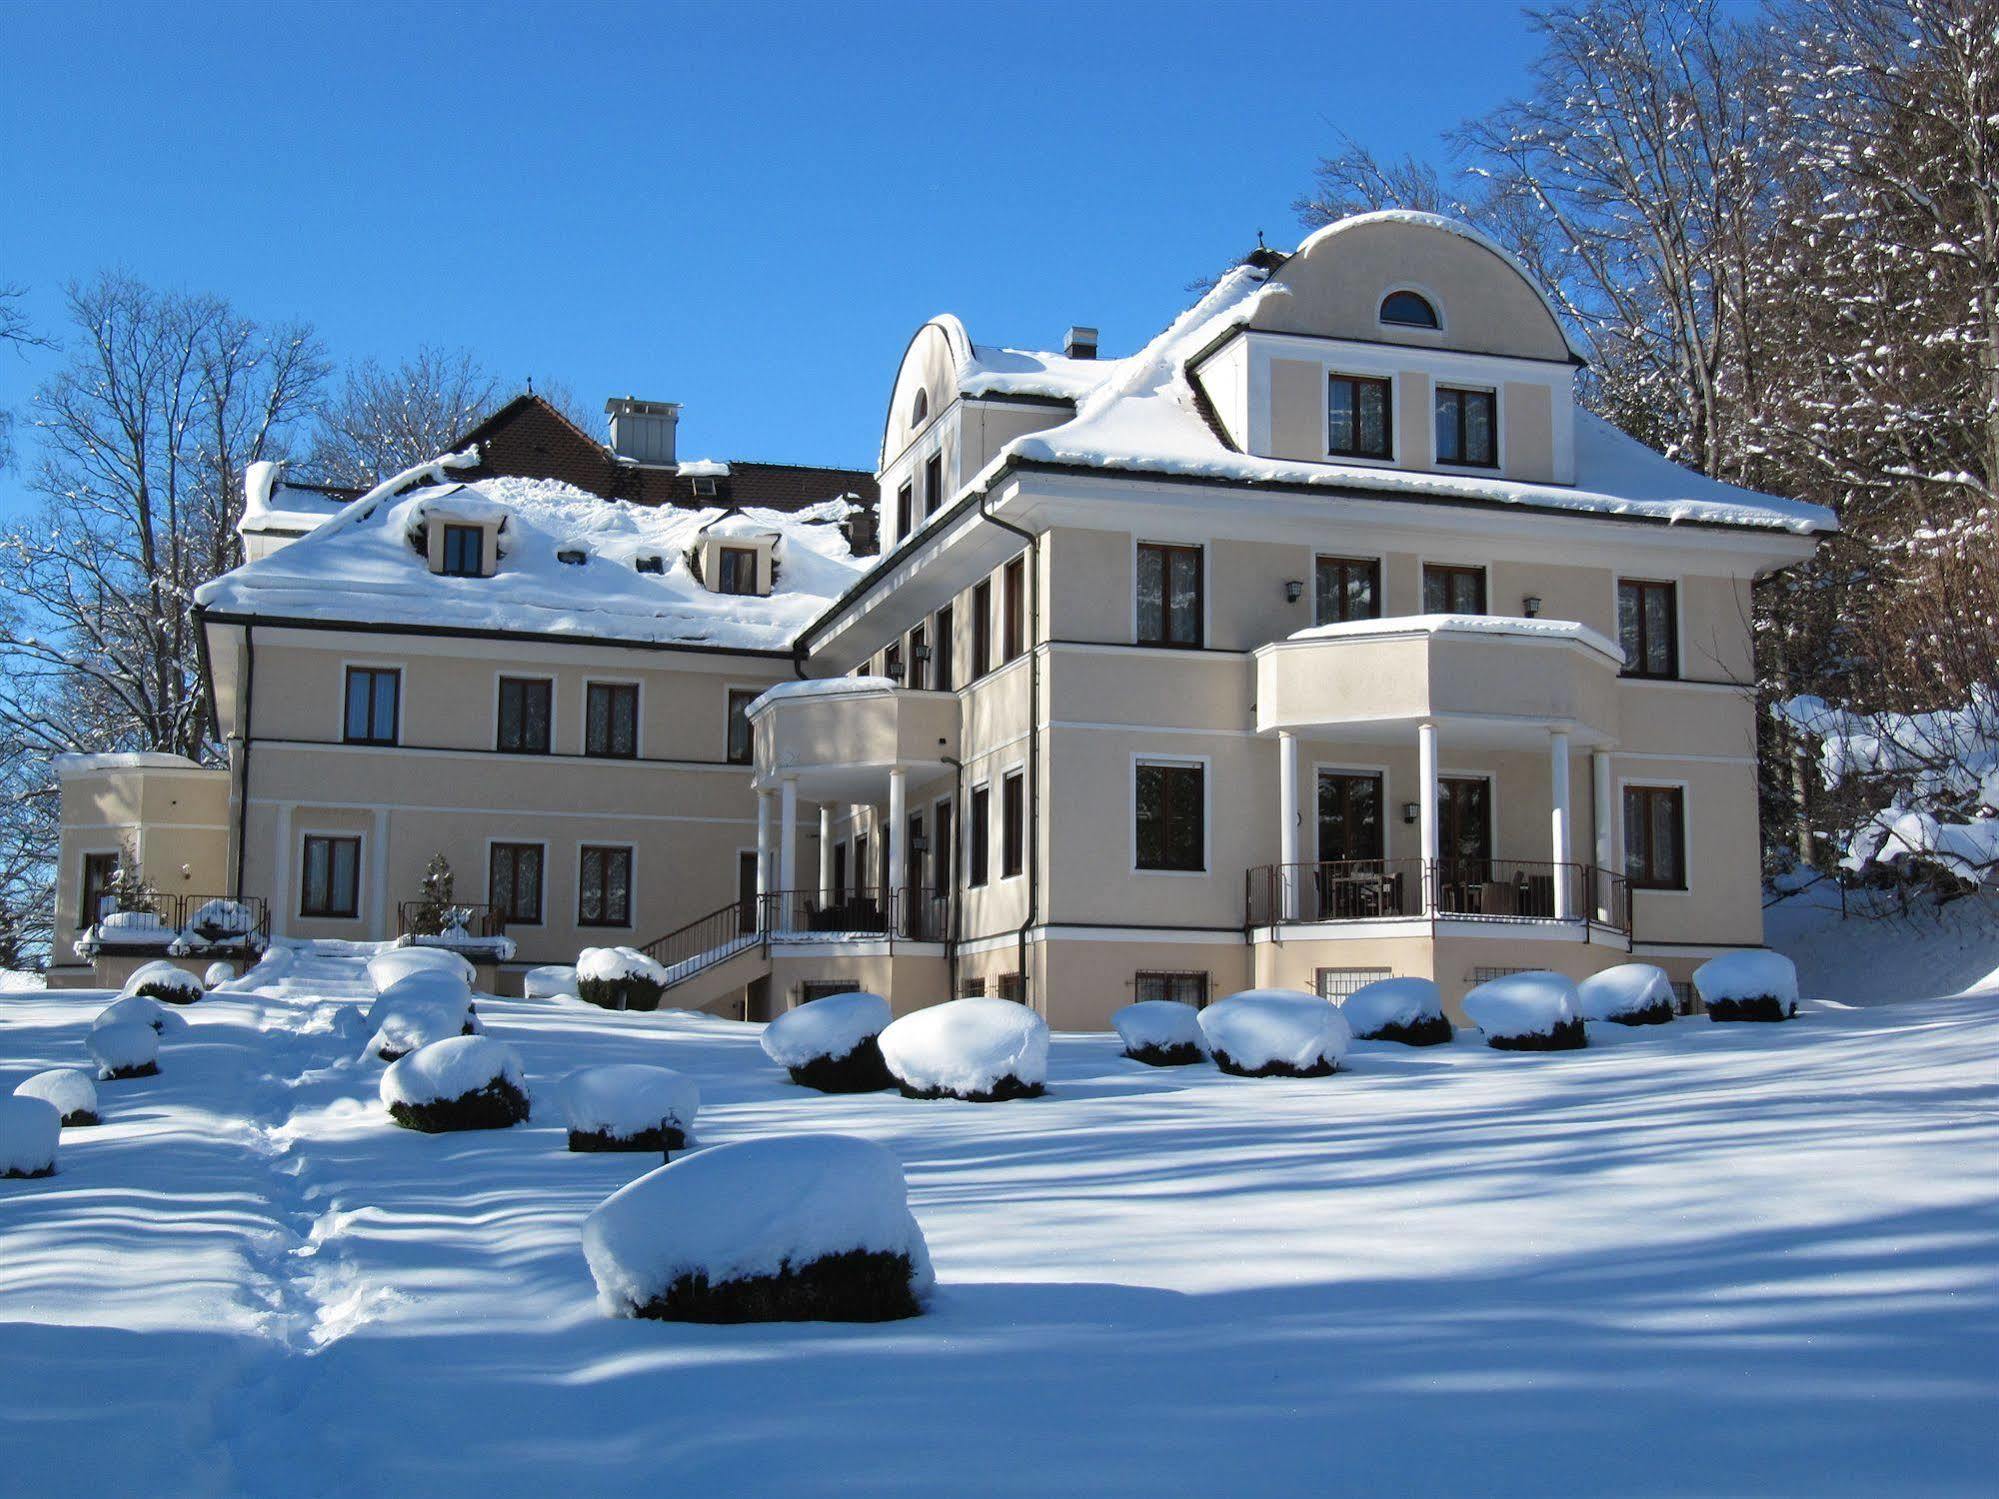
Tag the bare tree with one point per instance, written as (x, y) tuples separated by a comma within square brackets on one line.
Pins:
[(14, 330), (381, 420), (1354, 180)]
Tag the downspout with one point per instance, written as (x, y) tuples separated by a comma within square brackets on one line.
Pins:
[(243, 780), (1033, 722)]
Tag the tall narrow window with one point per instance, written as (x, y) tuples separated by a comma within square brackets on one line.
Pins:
[(982, 629), (330, 878), (1346, 588), (1357, 418), (1453, 590), (513, 882), (1013, 825), (941, 650), (941, 867), (1648, 628), (978, 836), (604, 886), (524, 715), (611, 720), (933, 484), (1013, 586), (903, 519), (1169, 595), (738, 567), (1171, 820), (840, 873), (372, 704), (1655, 852), (96, 900), (1467, 427), (862, 874), (741, 737), (919, 409), (464, 548), (919, 658)]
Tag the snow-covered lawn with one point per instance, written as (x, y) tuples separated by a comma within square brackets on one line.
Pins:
[(1756, 1259)]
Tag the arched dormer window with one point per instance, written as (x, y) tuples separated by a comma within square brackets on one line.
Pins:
[(1408, 309), (919, 410)]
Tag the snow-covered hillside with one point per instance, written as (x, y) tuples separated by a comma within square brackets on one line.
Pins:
[(1694, 1257)]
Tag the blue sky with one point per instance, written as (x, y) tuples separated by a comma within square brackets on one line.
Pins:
[(746, 209)]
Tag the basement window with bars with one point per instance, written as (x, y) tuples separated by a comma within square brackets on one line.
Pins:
[(1337, 984), (1186, 988), (1487, 975)]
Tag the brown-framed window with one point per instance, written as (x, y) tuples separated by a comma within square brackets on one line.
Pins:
[(1655, 837), (738, 568), (942, 870), (978, 836), (1180, 988), (1346, 588), (742, 739), (611, 720), (1013, 593), (464, 552), (513, 882), (1169, 595), (330, 877), (1350, 824), (374, 696), (982, 629), (1467, 427), (892, 662), (840, 873), (904, 505), (919, 658), (1013, 824), (604, 885), (524, 715), (941, 662), (1012, 986), (99, 870), (933, 484), (1453, 590), (1648, 627), (1171, 818), (1358, 419)]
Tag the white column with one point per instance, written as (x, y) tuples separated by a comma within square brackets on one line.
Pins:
[(763, 854), (1606, 830), (1287, 825), (1558, 818), (898, 830), (280, 893), (825, 854), (1426, 810), (787, 838)]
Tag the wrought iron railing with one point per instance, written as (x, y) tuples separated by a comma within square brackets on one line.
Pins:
[(203, 921), (1484, 889), (457, 920)]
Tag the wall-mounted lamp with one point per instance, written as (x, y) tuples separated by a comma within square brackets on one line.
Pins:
[(1411, 811), (919, 844), (1532, 604), (1294, 590), (892, 670), (921, 653)]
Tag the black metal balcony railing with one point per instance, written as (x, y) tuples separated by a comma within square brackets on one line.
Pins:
[(911, 915), (464, 920), (202, 921), (1485, 889)]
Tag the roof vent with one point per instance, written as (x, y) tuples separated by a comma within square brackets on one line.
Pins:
[(571, 557), (1081, 343), (642, 431)]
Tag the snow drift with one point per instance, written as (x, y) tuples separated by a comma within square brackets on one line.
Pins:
[(549, 980), (982, 1050)]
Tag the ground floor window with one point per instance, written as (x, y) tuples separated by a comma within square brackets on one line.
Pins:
[(812, 989), (99, 870), (513, 883), (1655, 822), (1337, 983), (1181, 988), (331, 883), (604, 886)]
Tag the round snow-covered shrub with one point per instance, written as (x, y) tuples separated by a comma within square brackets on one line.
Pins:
[(162, 981), (1531, 1011), (1753, 985), (1276, 1033), (1409, 1010), (788, 1228), (69, 1089), (1629, 994), (412, 1026), (461, 1082), (629, 1107), (549, 981), (1161, 1033), (832, 1044), (128, 1049), (619, 978), (218, 973), (422, 991), (981, 1050), (140, 1009), (385, 968), (29, 1131)]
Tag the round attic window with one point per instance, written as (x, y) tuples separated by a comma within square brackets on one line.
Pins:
[(1408, 309), (919, 411)]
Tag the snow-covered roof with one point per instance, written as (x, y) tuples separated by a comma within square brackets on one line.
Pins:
[(360, 566), (821, 687), (1467, 624), (990, 371), (84, 764), (271, 506)]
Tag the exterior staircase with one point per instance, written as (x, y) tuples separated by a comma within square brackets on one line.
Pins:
[(711, 959)]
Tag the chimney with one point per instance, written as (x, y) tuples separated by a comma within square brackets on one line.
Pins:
[(1081, 343), (642, 431)]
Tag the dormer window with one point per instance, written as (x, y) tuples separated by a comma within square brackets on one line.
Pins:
[(1357, 417), (919, 409), (736, 570), (464, 551), (1467, 427), (704, 486), (1408, 309)]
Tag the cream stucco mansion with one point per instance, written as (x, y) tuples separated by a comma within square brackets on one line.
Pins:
[(1322, 638)]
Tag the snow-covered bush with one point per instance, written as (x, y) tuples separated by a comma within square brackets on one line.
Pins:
[(549, 981), (1409, 1010), (1630, 994), (1531, 1011), (1276, 1033), (410, 1027), (385, 968), (218, 973), (629, 1107), (462, 1082), (1753, 985), (162, 981), (436, 989), (1161, 1033), (140, 1009), (220, 920), (70, 1090), (619, 978), (128, 1049), (832, 1044), (982, 1050), (781, 1229), (29, 1131)]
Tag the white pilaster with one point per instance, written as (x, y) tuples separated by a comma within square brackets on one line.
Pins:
[(898, 830), (825, 854), (1426, 810), (281, 904), (1602, 817), (763, 854), (1558, 819), (1287, 825), (787, 836)]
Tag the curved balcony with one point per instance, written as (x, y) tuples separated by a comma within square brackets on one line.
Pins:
[(839, 739)]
